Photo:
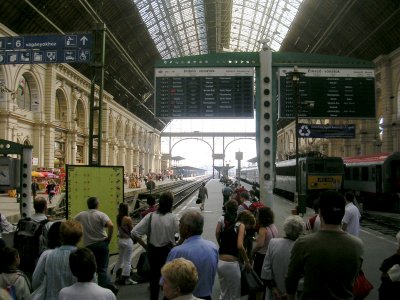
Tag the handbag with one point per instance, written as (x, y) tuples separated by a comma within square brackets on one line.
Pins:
[(250, 282), (198, 201), (143, 265), (362, 287)]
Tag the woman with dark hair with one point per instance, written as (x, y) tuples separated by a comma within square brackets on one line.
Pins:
[(231, 242), (267, 231), (160, 228), (125, 245), (227, 219)]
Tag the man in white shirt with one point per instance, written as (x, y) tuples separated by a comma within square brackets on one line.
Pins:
[(97, 234), (351, 218)]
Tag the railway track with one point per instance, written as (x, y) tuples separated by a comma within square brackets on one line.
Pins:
[(382, 224), (181, 192)]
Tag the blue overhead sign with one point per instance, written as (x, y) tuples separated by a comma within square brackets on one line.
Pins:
[(38, 49), (327, 131)]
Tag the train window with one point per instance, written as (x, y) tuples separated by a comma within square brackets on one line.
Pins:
[(286, 171), (316, 167), (347, 174), (356, 173), (364, 173), (333, 167)]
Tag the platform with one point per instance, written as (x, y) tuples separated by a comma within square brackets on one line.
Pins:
[(9, 206), (377, 246)]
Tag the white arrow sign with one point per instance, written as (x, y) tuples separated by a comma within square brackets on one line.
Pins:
[(84, 39)]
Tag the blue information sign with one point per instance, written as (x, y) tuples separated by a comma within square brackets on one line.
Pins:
[(39, 49), (327, 131)]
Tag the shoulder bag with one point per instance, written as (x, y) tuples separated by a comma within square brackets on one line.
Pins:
[(362, 287), (143, 265), (250, 282)]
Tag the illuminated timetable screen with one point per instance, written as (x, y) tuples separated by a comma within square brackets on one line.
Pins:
[(204, 92), (328, 93)]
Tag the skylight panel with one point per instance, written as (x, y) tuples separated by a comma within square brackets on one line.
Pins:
[(182, 24)]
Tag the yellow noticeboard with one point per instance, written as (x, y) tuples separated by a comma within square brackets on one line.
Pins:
[(105, 183)]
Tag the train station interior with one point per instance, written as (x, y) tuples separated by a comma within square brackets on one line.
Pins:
[(50, 102), (86, 94)]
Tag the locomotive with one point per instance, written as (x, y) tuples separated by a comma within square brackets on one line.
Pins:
[(316, 174)]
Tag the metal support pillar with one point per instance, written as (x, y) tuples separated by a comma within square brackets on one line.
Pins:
[(99, 42), (20, 178), (299, 197), (213, 152)]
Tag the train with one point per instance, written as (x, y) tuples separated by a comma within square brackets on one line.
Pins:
[(316, 174), (374, 179)]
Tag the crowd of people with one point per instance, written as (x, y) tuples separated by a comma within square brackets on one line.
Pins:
[(301, 263)]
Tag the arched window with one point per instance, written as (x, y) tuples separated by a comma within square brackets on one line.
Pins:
[(24, 94)]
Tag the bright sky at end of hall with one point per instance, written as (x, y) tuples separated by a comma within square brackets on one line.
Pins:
[(198, 153)]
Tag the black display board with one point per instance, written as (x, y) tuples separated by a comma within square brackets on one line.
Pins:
[(328, 93), (204, 92)]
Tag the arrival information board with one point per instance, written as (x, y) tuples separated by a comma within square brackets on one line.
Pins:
[(328, 93), (204, 93)]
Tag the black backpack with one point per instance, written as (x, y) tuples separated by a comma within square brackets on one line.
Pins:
[(30, 241)]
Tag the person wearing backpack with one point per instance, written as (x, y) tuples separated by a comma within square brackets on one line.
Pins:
[(14, 281), (40, 206), (30, 238)]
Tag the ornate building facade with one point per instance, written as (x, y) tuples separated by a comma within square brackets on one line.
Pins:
[(47, 106)]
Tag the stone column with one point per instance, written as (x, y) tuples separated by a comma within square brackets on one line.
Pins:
[(383, 67), (121, 153), (129, 161)]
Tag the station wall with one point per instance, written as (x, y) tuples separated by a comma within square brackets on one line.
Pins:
[(47, 106)]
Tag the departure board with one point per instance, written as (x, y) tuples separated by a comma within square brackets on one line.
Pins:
[(328, 93), (204, 92)]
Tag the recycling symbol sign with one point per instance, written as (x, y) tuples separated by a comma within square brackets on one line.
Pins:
[(304, 131)]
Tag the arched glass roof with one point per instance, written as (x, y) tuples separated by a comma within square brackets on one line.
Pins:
[(192, 27)]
